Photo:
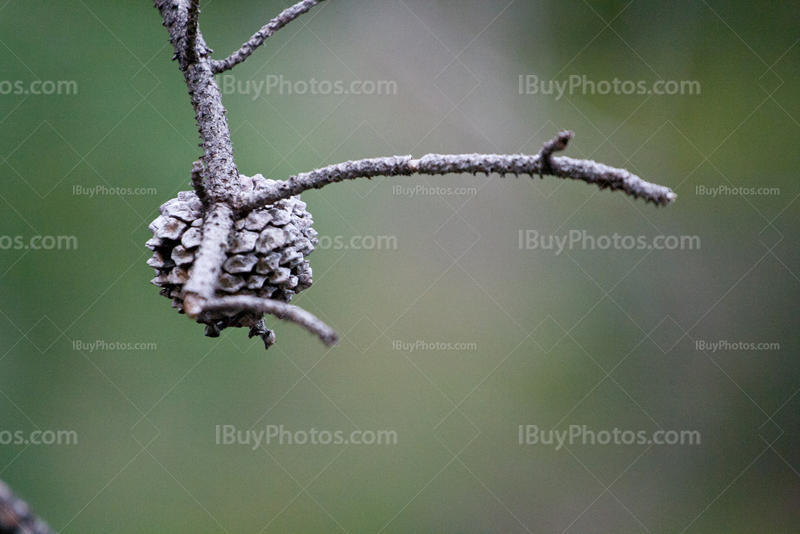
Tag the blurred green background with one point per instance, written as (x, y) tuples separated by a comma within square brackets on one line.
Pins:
[(603, 338)]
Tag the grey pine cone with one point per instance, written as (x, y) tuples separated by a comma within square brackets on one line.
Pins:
[(266, 255)]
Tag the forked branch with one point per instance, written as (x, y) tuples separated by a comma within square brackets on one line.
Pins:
[(217, 182)]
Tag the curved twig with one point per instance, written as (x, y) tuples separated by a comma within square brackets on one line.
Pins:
[(542, 164), (288, 15), (279, 309)]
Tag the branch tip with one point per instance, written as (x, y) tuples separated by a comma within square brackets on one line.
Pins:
[(279, 309), (286, 16), (557, 144), (193, 305)]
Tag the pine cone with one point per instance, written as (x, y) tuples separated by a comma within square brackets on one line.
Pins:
[(266, 256)]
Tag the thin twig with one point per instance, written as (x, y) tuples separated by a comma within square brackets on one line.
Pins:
[(16, 516), (542, 164), (288, 15), (277, 308)]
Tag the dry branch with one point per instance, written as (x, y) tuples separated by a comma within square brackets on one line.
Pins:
[(540, 164)]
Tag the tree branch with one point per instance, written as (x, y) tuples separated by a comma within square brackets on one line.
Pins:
[(542, 164), (279, 309), (222, 176), (218, 182), (288, 15), (16, 516)]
